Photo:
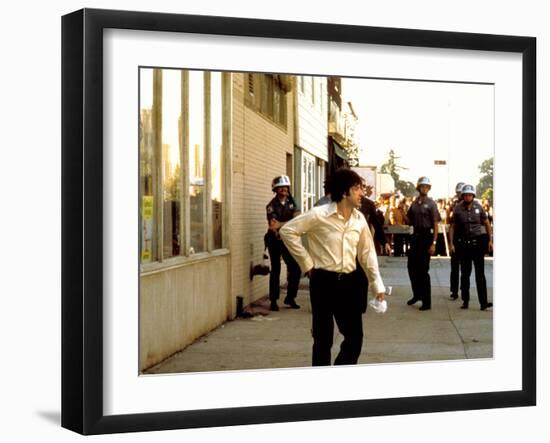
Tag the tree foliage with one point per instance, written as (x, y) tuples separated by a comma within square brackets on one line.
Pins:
[(392, 168), (485, 185), (408, 189), (172, 185)]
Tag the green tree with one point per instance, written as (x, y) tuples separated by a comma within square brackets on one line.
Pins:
[(392, 168), (485, 186), (408, 189), (172, 185), (488, 194)]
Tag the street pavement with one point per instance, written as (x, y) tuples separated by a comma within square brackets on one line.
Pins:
[(265, 339)]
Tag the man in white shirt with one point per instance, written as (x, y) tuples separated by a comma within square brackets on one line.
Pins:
[(337, 234)]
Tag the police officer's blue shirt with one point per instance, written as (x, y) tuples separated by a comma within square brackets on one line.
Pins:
[(281, 212), (468, 222), (423, 214)]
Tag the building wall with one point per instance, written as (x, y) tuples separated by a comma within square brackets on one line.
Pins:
[(180, 300), (179, 305), (312, 118), (310, 137), (259, 154)]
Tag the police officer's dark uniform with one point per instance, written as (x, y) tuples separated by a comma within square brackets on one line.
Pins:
[(276, 210), (455, 262), (467, 236), (423, 216), (368, 209)]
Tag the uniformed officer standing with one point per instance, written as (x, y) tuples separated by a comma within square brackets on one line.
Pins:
[(455, 263), (281, 209), (467, 239), (424, 217)]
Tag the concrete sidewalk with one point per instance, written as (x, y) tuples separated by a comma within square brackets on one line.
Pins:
[(403, 334)]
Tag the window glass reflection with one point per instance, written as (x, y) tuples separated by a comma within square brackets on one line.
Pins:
[(196, 160), (146, 165), (217, 159), (171, 167)]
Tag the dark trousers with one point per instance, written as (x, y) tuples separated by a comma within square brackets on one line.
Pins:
[(455, 273), (472, 251), (440, 246), (277, 249), (398, 245), (363, 283), (336, 297), (418, 265)]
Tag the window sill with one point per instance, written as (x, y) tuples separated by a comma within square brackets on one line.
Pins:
[(178, 262)]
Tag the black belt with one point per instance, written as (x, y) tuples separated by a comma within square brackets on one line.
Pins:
[(469, 241), (421, 231), (335, 275)]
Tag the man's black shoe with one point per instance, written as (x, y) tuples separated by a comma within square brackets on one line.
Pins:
[(424, 308), (412, 301), (488, 305), (454, 296), (464, 306), (292, 304), (274, 306)]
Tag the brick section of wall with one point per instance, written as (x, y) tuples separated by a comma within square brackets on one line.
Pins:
[(259, 154)]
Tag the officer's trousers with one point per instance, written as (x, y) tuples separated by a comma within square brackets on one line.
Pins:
[(455, 273), (277, 249), (472, 251), (336, 297), (398, 245), (418, 265)]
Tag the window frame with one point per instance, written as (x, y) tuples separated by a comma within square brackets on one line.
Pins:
[(321, 176), (158, 261), (309, 185), (260, 97)]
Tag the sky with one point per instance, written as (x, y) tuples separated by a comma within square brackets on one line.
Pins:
[(423, 122)]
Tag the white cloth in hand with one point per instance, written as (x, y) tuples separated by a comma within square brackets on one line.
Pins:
[(379, 306)]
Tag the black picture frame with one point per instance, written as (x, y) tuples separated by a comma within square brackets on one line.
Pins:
[(82, 217)]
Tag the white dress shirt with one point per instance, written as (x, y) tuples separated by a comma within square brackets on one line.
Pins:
[(333, 243)]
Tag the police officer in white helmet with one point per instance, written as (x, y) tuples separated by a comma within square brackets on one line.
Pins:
[(455, 263), (279, 210), (466, 236), (424, 217)]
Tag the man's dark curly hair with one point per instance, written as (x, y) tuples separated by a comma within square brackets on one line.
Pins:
[(341, 182)]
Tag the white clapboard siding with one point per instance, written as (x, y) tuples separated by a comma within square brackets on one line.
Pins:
[(312, 118)]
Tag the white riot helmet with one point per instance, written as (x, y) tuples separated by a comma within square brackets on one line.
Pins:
[(423, 181), (280, 181), (468, 189), (458, 188)]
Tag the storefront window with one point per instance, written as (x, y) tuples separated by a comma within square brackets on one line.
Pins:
[(146, 165), (171, 166), (217, 158), (176, 197), (196, 161)]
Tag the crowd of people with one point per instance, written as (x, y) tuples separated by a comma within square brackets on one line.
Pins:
[(345, 233), (391, 210)]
